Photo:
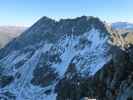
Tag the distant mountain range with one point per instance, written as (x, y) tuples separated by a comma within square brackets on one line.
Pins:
[(122, 25), (7, 33)]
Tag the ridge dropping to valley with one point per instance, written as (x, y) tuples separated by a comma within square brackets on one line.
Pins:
[(70, 59)]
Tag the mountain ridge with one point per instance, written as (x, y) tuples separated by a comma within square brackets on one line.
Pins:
[(55, 61), (39, 34)]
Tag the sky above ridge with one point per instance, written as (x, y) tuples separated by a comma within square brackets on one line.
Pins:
[(27, 12)]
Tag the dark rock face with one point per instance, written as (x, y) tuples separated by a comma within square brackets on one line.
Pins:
[(43, 74), (116, 75), (7, 96), (5, 80), (130, 50), (113, 82)]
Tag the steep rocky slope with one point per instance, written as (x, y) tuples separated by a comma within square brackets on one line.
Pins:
[(114, 81), (65, 60)]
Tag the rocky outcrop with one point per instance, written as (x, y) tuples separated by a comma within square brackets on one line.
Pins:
[(5, 80), (113, 82)]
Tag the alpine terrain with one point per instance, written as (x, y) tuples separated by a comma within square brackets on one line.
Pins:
[(70, 59)]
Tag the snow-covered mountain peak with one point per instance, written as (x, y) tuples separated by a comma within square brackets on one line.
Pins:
[(47, 29), (51, 51)]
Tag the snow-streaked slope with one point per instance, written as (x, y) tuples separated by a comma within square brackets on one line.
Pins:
[(45, 60), (92, 58), (19, 86)]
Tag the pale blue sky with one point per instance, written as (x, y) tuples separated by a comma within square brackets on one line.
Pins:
[(26, 12)]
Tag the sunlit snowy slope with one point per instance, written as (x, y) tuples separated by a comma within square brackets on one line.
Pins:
[(33, 64)]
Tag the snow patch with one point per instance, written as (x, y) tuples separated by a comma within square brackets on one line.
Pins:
[(69, 52)]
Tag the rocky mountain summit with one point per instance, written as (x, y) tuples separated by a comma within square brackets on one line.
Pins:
[(70, 59)]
